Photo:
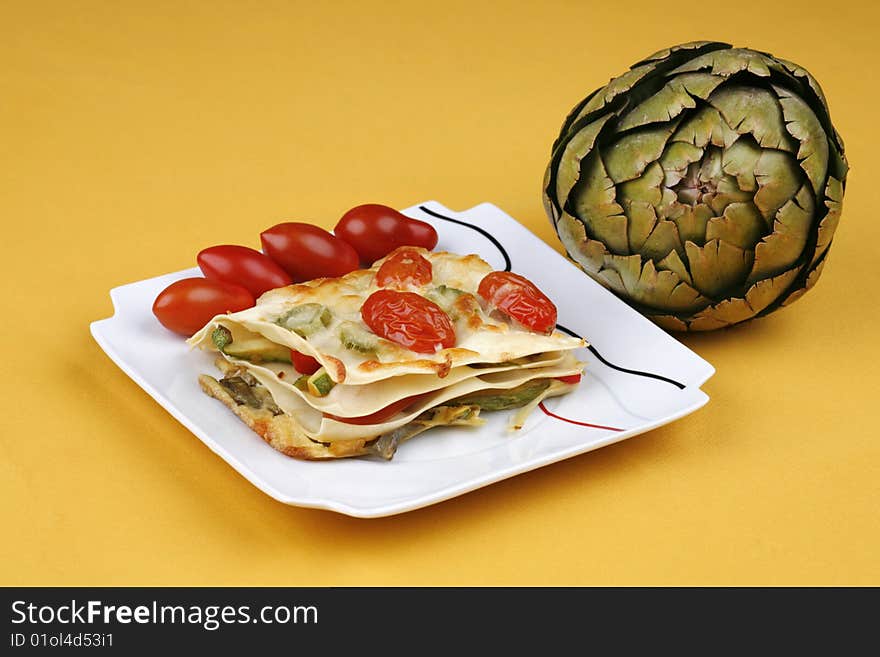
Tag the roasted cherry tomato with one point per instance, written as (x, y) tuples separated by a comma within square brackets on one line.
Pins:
[(571, 378), (306, 252), (303, 363), (519, 298), (409, 320), (376, 230), (383, 413), (404, 267), (243, 266), (187, 305)]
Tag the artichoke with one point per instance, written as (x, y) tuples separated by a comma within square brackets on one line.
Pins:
[(703, 185)]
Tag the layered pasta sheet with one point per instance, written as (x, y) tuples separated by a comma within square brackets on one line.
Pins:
[(369, 394)]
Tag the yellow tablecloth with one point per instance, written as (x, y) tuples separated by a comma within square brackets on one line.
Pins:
[(136, 133)]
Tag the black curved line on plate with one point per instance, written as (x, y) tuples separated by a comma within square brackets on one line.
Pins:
[(593, 350), (507, 263), (507, 267)]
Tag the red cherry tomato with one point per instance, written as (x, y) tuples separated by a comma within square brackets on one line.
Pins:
[(404, 267), (409, 320), (306, 252), (571, 378), (376, 230), (303, 363), (243, 266), (519, 298), (383, 413), (187, 305)]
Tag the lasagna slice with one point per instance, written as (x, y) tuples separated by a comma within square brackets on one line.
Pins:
[(377, 383)]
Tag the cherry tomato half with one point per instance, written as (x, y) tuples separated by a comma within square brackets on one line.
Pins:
[(408, 319), (404, 267), (376, 230), (571, 378), (303, 363), (187, 305), (243, 266), (383, 413), (306, 252), (519, 298)]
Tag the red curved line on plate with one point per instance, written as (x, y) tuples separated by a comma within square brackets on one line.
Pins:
[(582, 424)]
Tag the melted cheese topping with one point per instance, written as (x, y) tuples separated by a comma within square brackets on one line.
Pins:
[(481, 337)]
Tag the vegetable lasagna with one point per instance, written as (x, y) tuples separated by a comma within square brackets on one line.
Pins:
[(356, 365)]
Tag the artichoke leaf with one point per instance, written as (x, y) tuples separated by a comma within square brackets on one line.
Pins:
[(778, 179), (642, 282), (706, 322), (615, 87), (647, 188), (574, 114), (794, 296), (740, 160), (834, 203), (692, 222), (676, 158), (766, 291), (803, 125), (705, 127), (728, 62), (577, 148), (782, 248), (741, 225), (549, 204), (628, 157), (837, 164), (727, 312), (612, 280), (642, 220), (589, 254), (674, 97), (800, 72), (755, 111), (812, 277), (814, 274), (595, 203), (717, 266), (690, 45), (727, 191), (662, 241), (674, 263), (669, 204), (711, 166)]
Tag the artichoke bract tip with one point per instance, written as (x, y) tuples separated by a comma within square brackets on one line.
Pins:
[(703, 185)]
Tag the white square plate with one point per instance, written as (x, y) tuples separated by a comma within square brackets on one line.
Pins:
[(638, 378)]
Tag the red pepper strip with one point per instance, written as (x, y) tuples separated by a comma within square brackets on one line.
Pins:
[(383, 413)]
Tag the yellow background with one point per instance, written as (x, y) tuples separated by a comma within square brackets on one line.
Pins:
[(133, 134)]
